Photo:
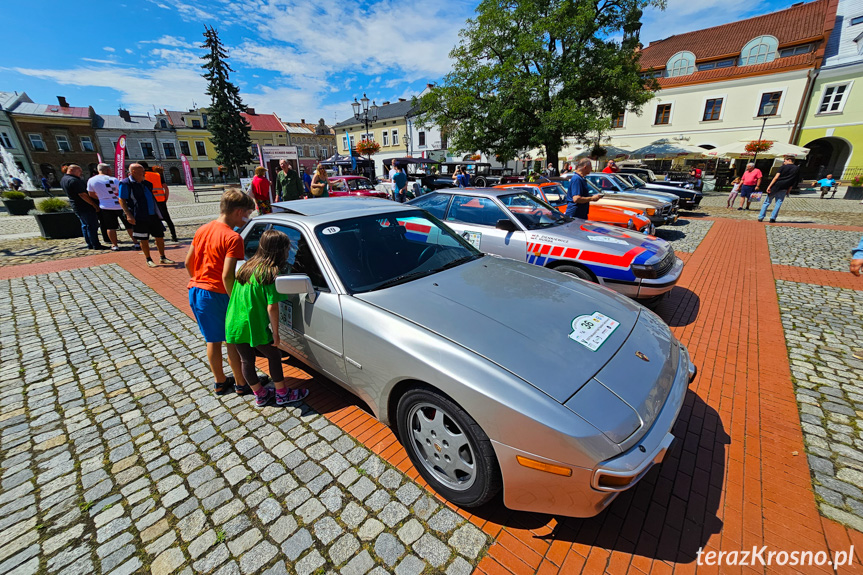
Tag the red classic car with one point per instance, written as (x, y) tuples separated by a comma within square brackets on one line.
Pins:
[(354, 186)]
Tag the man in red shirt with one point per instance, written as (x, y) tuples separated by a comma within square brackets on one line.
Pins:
[(211, 263), (750, 182), (610, 168)]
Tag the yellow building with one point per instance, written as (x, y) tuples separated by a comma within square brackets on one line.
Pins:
[(195, 143), (389, 129), (833, 125)]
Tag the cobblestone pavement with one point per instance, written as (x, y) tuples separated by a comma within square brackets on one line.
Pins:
[(797, 209), (811, 248), (116, 458), (35, 250), (685, 234), (824, 334)]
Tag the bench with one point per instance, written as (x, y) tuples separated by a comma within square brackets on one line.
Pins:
[(216, 190)]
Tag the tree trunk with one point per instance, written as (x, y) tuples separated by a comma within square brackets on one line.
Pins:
[(551, 153)]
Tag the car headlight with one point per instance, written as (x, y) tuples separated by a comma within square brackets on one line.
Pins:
[(653, 271), (630, 224), (650, 211)]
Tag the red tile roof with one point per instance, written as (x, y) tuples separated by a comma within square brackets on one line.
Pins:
[(790, 26), (263, 122), (55, 110)]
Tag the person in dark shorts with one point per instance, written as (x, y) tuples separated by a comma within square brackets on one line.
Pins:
[(85, 207), (139, 204), (780, 187), (105, 189)]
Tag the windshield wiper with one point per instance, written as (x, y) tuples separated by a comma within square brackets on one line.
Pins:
[(459, 261), (403, 278)]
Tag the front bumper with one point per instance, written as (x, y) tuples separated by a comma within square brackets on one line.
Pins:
[(658, 286), (527, 489)]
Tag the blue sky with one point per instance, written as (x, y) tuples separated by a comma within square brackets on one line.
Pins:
[(301, 59)]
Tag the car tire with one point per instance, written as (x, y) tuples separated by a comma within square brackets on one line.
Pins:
[(576, 271), (447, 447), (480, 183)]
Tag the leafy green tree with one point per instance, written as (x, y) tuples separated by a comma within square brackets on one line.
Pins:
[(230, 131), (529, 73)]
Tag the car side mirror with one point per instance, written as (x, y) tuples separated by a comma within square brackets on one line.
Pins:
[(506, 225), (292, 284)]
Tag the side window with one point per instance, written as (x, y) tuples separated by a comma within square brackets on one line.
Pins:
[(338, 186), (253, 238), (477, 211), (301, 260), (434, 204)]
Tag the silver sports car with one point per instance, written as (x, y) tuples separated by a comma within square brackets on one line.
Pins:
[(518, 225), (496, 374)]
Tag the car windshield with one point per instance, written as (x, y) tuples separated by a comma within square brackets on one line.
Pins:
[(554, 193), (635, 180), (379, 251), (360, 184), (624, 183), (533, 212)]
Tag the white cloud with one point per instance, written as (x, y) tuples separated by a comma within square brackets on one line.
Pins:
[(108, 49), (167, 40), (681, 16), (128, 51), (99, 61)]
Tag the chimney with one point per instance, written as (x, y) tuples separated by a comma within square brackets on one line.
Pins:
[(63, 102), (429, 85), (250, 111), (303, 121), (402, 100), (125, 114), (385, 104)]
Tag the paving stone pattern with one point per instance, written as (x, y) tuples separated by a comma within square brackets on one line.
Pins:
[(824, 333), (685, 234), (115, 457), (811, 248)]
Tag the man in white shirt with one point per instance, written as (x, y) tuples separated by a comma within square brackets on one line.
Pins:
[(106, 189)]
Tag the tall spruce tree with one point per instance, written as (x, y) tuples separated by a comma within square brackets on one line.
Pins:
[(529, 73), (230, 131)]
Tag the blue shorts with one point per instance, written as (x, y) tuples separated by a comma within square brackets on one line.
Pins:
[(210, 309)]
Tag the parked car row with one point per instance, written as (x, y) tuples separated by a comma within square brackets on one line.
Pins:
[(451, 319)]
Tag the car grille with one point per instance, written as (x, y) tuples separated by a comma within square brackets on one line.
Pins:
[(666, 211), (666, 264)]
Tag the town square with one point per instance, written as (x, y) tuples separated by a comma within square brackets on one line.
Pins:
[(493, 288)]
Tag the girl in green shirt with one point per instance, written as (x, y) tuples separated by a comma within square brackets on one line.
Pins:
[(252, 321)]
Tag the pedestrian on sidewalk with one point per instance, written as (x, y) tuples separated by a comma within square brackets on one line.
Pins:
[(139, 205), (320, 183), (784, 180), (400, 184), (210, 262), (750, 183), (827, 185), (735, 189), (261, 191), (857, 259), (288, 184), (307, 181), (85, 207), (105, 189), (252, 322), (156, 177)]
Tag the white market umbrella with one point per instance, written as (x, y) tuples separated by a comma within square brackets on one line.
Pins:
[(737, 150), (665, 149), (610, 152)]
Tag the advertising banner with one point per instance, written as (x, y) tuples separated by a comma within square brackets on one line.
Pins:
[(187, 171), (120, 158)]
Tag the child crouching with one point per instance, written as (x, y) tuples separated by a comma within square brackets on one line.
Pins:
[(253, 317)]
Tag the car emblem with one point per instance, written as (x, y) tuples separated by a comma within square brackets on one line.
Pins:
[(641, 356)]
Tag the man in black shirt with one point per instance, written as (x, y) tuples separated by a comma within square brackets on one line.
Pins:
[(85, 207), (785, 179)]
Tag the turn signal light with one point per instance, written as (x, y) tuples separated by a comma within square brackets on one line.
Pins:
[(614, 481), (547, 467)]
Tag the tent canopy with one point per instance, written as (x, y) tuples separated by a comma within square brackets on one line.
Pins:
[(408, 160), (339, 160), (737, 150), (665, 149)]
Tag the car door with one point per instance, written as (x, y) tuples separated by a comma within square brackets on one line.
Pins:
[(313, 329), (475, 218)]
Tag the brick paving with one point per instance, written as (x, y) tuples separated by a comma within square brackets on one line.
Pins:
[(738, 476)]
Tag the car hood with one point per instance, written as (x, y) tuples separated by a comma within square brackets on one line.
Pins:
[(669, 197), (670, 189), (600, 238), (637, 197), (518, 316)]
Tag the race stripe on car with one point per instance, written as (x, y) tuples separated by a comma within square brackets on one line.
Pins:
[(623, 261), (415, 231)]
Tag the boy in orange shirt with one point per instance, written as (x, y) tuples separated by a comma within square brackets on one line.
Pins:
[(211, 263)]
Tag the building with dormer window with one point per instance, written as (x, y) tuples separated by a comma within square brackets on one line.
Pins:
[(723, 84)]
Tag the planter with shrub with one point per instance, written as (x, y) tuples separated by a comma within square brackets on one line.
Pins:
[(17, 203), (56, 220), (855, 189)]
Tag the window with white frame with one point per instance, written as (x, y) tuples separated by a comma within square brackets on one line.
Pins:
[(681, 64), (759, 50), (147, 150), (385, 135), (795, 50), (856, 20), (345, 143), (36, 142), (618, 120), (6, 141), (169, 149), (200, 149), (663, 114), (87, 144), (769, 105), (422, 139), (712, 109), (834, 97), (184, 148), (63, 143), (395, 137)]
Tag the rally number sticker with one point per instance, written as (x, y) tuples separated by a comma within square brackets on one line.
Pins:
[(331, 230), (592, 330), (473, 238), (607, 240), (286, 314)]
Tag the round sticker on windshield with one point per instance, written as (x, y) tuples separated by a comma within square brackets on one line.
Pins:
[(331, 230)]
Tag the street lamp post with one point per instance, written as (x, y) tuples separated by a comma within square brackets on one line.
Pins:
[(368, 115), (407, 145), (767, 111)]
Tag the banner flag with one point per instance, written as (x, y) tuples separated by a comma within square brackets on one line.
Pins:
[(187, 170), (351, 152), (120, 158), (99, 157)]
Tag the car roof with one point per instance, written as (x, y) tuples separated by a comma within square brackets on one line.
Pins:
[(493, 192), (321, 210)]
